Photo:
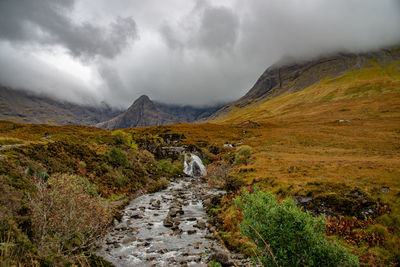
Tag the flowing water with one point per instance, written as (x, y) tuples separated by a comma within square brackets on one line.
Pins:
[(167, 228)]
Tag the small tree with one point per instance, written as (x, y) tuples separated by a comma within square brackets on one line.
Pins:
[(287, 236), (118, 158)]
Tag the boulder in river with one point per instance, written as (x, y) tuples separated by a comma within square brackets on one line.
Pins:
[(168, 222)]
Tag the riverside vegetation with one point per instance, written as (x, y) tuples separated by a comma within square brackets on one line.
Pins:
[(61, 187), (332, 148)]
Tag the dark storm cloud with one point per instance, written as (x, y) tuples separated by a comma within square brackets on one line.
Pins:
[(46, 22), (189, 52)]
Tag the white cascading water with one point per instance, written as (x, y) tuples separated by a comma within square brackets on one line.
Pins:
[(194, 167)]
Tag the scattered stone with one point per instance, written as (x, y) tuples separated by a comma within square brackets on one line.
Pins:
[(177, 231), (137, 216), (121, 227), (201, 225), (128, 239), (385, 189), (172, 212), (168, 222), (305, 200), (191, 232)]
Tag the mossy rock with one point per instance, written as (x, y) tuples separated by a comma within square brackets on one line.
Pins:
[(340, 199)]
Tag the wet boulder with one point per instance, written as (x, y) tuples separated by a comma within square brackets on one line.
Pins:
[(222, 257), (168, 222)]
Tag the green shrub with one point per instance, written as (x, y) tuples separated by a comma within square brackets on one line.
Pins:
[(117, 157), (168, 167), (158, 185), (242, 156), (287, 236), (122, 138)]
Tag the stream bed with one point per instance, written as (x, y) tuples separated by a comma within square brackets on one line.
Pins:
[(167, 228)]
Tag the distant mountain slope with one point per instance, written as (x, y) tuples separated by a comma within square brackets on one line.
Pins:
[(145, 112), (27, 107), (326, 79)]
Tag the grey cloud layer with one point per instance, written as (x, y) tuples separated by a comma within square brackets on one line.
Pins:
[(213, 28), (189, 52), (46, 22)]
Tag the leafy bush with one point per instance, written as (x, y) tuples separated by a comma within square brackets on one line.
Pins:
[(158, 185), (117, 157), (169, 168), (242, 156), (287, 236), (122, 138)]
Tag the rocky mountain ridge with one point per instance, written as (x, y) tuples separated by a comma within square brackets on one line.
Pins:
[(145, 112), (284, 78)]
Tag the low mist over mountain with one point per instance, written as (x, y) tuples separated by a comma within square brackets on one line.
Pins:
[(285, 77), (145, 112), (28, 107)]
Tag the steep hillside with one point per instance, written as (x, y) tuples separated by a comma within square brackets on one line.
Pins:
[(145, 112), (327, 136), (282, 79), (371, 91), (27, 107)]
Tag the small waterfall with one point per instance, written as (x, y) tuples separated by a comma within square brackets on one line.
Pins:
[(193, 166)]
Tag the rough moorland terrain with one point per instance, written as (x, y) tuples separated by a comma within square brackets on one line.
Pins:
[(333, 147)]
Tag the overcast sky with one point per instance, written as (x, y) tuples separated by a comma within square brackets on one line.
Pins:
[(194, 52)]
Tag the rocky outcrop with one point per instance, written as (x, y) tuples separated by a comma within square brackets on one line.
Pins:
[(145, 112), (193, 166)]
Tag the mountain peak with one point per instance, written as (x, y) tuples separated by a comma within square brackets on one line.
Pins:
[(143, 98)]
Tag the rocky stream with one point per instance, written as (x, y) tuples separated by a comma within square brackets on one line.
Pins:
[(167, 228)]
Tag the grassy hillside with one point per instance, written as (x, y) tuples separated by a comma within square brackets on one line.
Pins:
[(374, 90), (348, 170), (334, 144)]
